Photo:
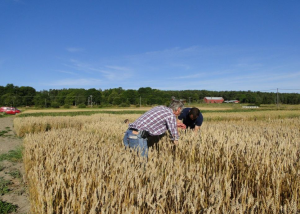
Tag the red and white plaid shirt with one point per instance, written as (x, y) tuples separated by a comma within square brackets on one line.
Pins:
[(157, 121)]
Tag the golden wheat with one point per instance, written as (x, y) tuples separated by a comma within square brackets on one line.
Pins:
[(242, 166)]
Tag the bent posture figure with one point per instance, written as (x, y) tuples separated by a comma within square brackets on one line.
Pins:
[(154, 122), (191, 118)]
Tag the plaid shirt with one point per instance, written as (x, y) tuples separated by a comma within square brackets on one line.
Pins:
[(157, 121)]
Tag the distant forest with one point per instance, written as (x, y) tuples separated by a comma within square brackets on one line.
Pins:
[(22, 96)]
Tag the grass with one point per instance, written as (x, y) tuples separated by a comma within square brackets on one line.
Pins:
[(6, 207), (5, 115), (77, 113), (15, 174), (87, 113), (4, 186), (239, 106), (3, 132), (13, 155), (204, 108), (233, 110)]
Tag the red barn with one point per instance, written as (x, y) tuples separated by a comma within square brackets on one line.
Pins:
[(213, 99)]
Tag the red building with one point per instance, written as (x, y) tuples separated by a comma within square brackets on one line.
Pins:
[(213, 99)]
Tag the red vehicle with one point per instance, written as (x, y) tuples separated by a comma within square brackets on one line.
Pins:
[(3, 109), (10, 110)]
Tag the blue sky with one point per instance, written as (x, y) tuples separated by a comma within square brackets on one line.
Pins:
[(164, 44)]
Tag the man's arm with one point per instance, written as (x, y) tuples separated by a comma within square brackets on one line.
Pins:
[(197, 128), (199, 122), (180, 124), (172, 127)]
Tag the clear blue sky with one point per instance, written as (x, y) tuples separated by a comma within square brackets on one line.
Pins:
[(164, 44)]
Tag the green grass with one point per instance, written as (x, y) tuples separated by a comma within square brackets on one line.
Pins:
[(4, 186), (87, 113), (7, 207), (15, 174), (233, 110), (13, 155), (5, 115), (77, 113), (2, 133)]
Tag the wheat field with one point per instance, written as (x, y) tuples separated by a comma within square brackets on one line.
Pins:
[(79, 165)]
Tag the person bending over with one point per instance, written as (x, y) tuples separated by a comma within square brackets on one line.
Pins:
[(154, 122), (191, 118)]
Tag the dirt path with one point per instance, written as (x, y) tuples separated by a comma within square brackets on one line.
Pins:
[(13, 171)]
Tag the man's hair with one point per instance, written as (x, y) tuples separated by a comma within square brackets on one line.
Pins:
[(195, 112), (175, 104)]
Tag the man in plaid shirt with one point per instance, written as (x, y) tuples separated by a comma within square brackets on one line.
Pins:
[(153, 123)]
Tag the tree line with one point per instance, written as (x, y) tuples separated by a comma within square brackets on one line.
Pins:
[(11, 95)]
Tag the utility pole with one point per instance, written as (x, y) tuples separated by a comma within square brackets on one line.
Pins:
[(140, 101), (91, 100), (189, 101)]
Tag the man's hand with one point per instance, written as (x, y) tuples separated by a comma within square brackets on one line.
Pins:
[(196, 129), (181, 125)]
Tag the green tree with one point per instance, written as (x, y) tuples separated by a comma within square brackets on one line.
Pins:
[(112, 96), (117, 101), (70, 98), (95, 96), (41, 99), (129, 96), (7, 99), (26, 94)]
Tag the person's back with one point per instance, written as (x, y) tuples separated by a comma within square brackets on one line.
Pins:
[(154, 122)]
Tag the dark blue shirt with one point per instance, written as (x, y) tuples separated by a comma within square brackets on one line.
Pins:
[(184, 116)]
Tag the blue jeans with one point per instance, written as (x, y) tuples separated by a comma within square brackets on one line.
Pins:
[(135, 142)]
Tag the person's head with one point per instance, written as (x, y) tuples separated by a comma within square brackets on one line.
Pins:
[(176, 106), (194, 113), (126, 121)]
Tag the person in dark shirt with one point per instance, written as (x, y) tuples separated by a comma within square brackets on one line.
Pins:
[(191, 118)]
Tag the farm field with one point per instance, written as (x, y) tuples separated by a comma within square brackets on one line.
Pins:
[(202, 107), (240, 162), (84, 109), (113, 109)]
